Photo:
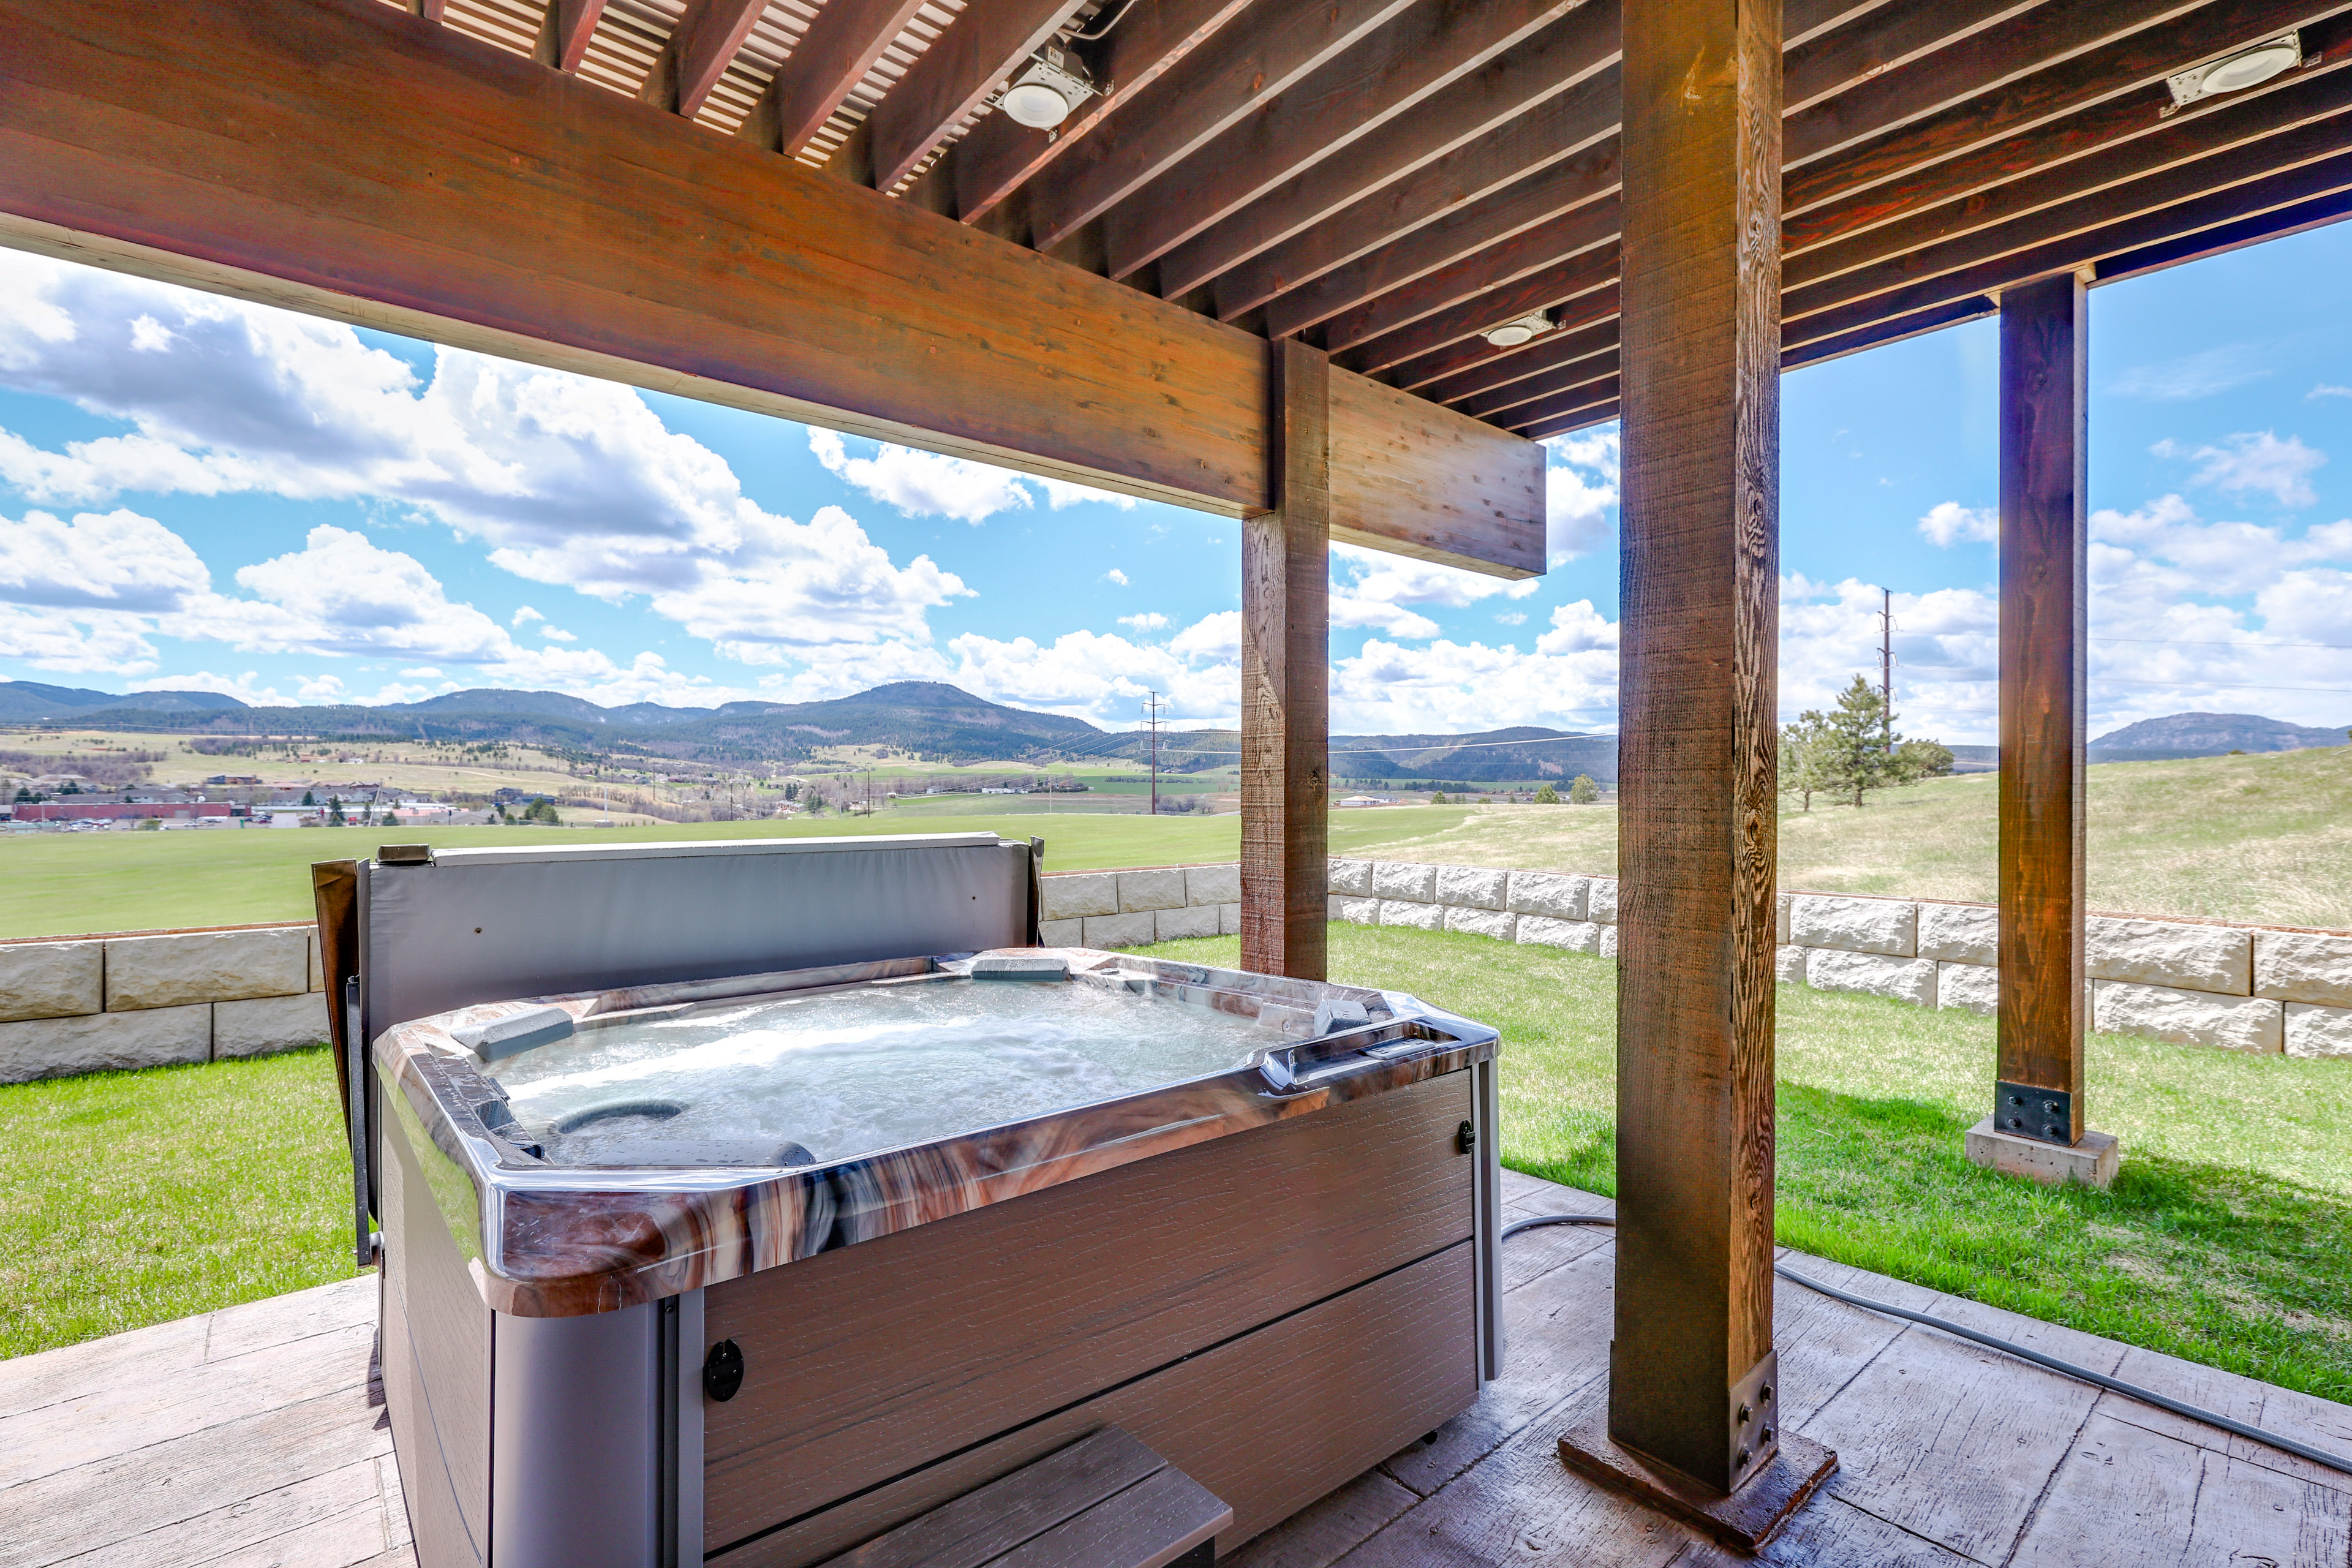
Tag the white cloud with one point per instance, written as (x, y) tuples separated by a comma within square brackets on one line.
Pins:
[(2254, 463), (567, 480), (923, 483), (113, 560), (1470, 686), (2325, 390), (557, 634), (524, 617), (1213, 639), (1948, 523), (1580, 492), (2195, 376), (1116, 576), (1516, 618), (1060, 494), (1149, 621), (1372, 588)]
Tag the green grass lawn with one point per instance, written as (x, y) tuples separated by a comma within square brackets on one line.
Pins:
[(130, 1198), (2223, 1241), (61, 884)]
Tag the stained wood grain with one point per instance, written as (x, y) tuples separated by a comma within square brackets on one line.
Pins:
[(1330, 1389), (1414, 478), (1243, 66), (2045, 644), (983, 46), (852, 1379), (1327, 1529), (565, 32), (2321, 1423), (771, 288), (703, 45), (1697, 801), (1000, 154), (1391, 72), (1554, 247), (1285, 679), (842, 44)]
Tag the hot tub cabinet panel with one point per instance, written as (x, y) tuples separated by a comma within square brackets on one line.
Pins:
[(868, 1361), (1269, 1421), (1274, 1274)]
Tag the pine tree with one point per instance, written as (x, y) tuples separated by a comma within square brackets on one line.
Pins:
[(1546, 796), (1583, 791)]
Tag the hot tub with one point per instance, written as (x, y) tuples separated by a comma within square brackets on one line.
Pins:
[(753, 1268)]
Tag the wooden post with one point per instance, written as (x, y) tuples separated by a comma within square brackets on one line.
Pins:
[(1286, 678), (2044, 604), (1692, 1414)]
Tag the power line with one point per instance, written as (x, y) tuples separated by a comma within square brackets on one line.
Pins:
[(2198, 642)]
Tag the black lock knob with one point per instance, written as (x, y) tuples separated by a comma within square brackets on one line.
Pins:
[(722, 1371), (1466, 1137)]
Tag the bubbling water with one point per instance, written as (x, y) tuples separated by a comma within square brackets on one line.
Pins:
[(853, 1071)]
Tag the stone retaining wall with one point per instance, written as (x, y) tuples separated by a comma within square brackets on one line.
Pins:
[(76, 1004), (2248, 988)]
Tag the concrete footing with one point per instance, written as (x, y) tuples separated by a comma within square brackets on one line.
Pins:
[(2091, 1162)]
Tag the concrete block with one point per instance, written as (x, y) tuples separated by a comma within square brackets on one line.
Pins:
[(1061, 933), (1418, 916), (183, 967), (1600, 900), (2092, 1163), (1471, 887), (1356, 911), (2189, 1017), (1967, 987), (268, 1023), (1162, 888), (1577, 936), (1497, 924), (2220, 959), (2313, 1031), (1350, 877), (1789, 965), (2301, 966), (1780, 917), (1194, 919), (1608, 941), (1911, 980), (94, 1042), (1118, 931), (1960, 933), (1068, 896), (317, 967), (1394, 879), (52, 979), (1229, 918), (1546, 893), (1889, 927), (1213, 884)]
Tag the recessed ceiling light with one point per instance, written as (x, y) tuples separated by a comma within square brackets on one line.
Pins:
[(1525, 329), (1048, 89), (2250, 67)]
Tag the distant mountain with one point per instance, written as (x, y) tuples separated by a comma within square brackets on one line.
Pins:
[(2208, 735), (28, 701), (1519, 754)]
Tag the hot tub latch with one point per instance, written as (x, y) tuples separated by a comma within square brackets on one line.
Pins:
[(1466, 1137), (722, 1371)]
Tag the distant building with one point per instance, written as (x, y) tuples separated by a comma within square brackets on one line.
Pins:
[(233, 779), (104, 811)]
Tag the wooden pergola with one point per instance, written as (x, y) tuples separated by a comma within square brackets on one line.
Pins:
[(1332, 270)]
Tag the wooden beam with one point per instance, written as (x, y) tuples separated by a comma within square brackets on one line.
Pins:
[(2146, 40), (431, 10), (1576, 378), (1234, 72), (1473, 354), (2044, 600), (699, 50), (1698, 739), (452, 191), (565, 32), (1556, 253), (1534, 284), (1415, 478), (1437, 78), (967, 62), (1285, 679), (842, 44), (2275, 224), (1000, 154), (1545, 354)]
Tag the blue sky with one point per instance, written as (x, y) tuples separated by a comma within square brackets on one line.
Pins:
[(197, 492)]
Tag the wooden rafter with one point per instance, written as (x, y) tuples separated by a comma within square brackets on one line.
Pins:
[(972, 60), (565, 32), (697, 53), (831, 58)]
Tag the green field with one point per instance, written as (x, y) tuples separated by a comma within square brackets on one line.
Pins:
[(62, 884), (130, 1198), (2262, 838)]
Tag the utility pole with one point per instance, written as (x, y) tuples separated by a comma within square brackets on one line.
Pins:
[(1152, 707), (1887, 670)]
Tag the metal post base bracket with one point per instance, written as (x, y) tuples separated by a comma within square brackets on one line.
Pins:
[(1743, 1521), (2022, 1111)]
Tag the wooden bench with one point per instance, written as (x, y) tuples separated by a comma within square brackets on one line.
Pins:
[(1104, 1501)]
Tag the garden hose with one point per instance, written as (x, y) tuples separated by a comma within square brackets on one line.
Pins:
[(2100, 1379)]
